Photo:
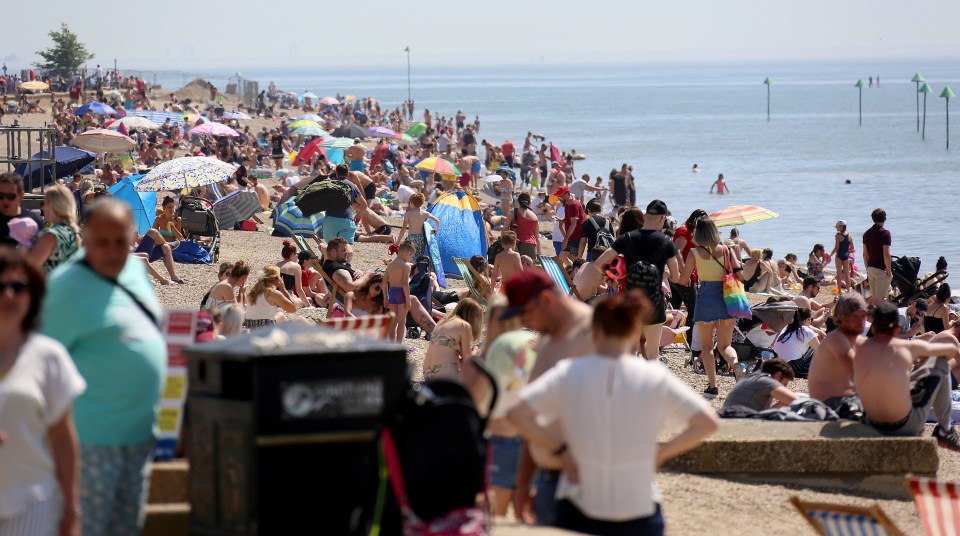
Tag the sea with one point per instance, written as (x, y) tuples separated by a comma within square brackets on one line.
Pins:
[(812, 162)]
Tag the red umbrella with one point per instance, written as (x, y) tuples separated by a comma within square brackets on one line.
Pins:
[(309, 151)]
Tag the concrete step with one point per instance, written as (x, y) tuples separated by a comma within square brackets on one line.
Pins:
[(168, 482), (171, 519)]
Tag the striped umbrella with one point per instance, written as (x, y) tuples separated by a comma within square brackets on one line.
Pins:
[(131, 122), (236, 207), (438, 165), (186, 172), (338, 143), (310, 117), (311, 131), (213, 129), (741, 214), (104, 141), (288, 218)]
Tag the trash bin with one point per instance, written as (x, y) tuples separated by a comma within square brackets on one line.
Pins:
[(281, 429)]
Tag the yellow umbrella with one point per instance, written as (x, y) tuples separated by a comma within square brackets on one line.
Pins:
[(741, 214), (34, 85), (304, 123)]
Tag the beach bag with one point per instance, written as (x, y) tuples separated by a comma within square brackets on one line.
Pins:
[(324, 195), (734, 297), (604, 236), (190, 252)]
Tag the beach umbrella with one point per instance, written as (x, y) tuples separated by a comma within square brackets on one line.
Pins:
[(303, 123), (351, 131), (186, 172), (142, 204), (309, 95), (918, 79), (948, 94), (34, 85), (767, 82), (213, 129), (240, 116), (860, 85), (417, 129), (309, 150), (97, 108), (236, 207), (740, 215), (132, 121), (329, 101), (310, 117), (438, 165), (289, 218), (104, 141), (311, 131), (381, 132), (338, 143), (193, 118), (403, 136), (925, 89), (491, 179), (69, 160), (350, 97), (114, 95)]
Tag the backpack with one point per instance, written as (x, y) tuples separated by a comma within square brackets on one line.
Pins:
[(324, 195), (644, 275), (604, 236)]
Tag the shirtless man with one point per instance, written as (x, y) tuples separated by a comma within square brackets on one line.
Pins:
[(565, 328), (261, 191), (355, 154), (896, 400), (465, 165), (807, 298), (366, 185), (508, 261), (375, 228), (830, 379)]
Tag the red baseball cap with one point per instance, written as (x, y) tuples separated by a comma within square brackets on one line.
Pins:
[(522, 288), (563, 190)]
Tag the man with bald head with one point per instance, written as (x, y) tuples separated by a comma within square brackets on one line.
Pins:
[(101, 307)]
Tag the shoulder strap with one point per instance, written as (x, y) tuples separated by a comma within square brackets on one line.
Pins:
[(396, 473), (726, 251), (125, 290)]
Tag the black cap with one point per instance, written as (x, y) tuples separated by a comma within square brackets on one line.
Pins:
[(657, 208), (885, 318)]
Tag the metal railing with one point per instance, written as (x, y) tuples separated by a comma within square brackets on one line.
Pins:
[(22, 143)]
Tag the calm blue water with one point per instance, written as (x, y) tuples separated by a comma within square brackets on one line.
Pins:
[(662, 119)]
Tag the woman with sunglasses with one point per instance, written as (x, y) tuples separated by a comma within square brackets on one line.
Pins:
[(39, 456)]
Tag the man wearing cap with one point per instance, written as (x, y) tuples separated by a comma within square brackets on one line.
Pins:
[(565, 331), (572, 225), (650, 246)]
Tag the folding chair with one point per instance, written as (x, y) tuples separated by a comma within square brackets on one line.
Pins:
[(674, 330), (839, 520), (471, 277), (556, 272), (938, 503), (336, 293), (375, 326)]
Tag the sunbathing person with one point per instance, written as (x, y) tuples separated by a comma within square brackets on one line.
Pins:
[(896, 396), (152, 247), (830, 379), (375, 228)]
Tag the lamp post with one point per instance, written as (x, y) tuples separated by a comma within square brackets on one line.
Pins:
[(407, 50), (860, 85), (918, 79), (767, 82), (925, 89), (948, 94)]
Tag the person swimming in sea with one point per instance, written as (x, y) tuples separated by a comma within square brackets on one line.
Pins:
[(696, 169), (720, 185)]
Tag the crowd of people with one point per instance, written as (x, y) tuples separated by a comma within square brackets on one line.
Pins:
[(571, 369)]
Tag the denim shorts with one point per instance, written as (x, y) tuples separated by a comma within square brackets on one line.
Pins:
[(505, 461)]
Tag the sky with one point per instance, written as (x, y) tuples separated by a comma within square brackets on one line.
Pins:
[(244, 34)]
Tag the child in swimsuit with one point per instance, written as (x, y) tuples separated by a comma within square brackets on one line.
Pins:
[(397, 280), (413, 220)]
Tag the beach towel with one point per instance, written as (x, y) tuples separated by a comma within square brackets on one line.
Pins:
[(190, 252)]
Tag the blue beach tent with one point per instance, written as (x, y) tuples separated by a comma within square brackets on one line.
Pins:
[(461, 232)]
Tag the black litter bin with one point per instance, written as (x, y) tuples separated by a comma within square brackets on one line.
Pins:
[(282, 427)]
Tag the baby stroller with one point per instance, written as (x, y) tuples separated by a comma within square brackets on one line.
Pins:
[(753, 337), (200, 224), (421, 288), (906, 279)]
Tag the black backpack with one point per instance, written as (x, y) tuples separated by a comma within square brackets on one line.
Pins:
[(324, 195), (643, 275), (604, 234)]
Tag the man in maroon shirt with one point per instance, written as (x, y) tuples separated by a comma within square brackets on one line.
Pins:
[(572, 224), (876, 257)]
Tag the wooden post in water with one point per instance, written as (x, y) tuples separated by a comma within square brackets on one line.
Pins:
[(860, 85), (948, 94), (918, 79), (925, 88), (767, 82)]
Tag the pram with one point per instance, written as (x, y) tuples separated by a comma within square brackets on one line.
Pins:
[(421, 288), (753, 337), (906, 279), (200, 224)]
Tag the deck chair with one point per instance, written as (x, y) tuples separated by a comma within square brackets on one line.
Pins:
[(674, 330), (938, 503), (470, 277), (556, 272), (374, 327), (839, 520)]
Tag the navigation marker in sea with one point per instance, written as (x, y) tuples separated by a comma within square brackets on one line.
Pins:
[(767, 82), (918, 79), (925, 89), (948, 94), (860, 85)]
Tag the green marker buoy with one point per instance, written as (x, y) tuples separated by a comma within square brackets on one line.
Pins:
[(925, 89), (767, 82), (948, 94), (918, 79), (860, 85)]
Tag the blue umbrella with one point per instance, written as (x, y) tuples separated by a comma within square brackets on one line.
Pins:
[(143, 204), (289, 219), (97, 108), (69, 160)]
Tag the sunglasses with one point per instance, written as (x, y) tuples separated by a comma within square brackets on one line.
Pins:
[(18, 287), (8, 197)]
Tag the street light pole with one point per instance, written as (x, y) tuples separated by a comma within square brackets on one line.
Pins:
[(409, 99)]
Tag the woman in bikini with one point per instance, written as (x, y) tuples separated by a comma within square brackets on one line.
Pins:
[(453, 340), (365, 301), (169, 225), (841, 252), (230, 290), (937, 317), (413, 220), (292, 275)]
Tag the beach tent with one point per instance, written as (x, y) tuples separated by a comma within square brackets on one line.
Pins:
[(143, 204), (461, 232)]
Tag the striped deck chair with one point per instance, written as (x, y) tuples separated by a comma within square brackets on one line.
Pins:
[(470, 277), (938, 503), (838, 520), (556, 272), (374, 327)]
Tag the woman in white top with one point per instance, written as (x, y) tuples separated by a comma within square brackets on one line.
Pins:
[(39, 454), (266, 299), (797, 342), (610, 451)]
